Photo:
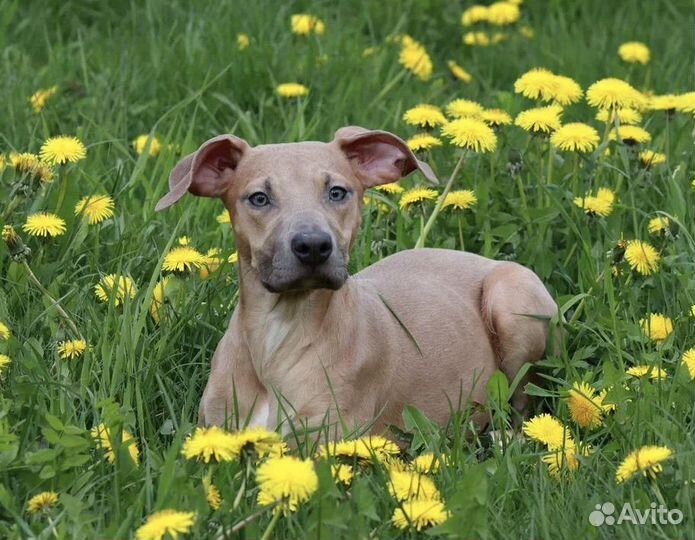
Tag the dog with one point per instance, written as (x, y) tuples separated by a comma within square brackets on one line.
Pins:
[(309, 343)]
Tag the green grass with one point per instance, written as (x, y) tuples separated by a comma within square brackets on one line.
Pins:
[(173, 69)]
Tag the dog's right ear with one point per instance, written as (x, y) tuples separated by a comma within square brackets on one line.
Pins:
[(207, 172)]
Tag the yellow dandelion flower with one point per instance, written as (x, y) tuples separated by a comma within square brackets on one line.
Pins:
[(657, 327), (601, 398), (565, 90), (44, 224), (539, 119), (613, 93), (4, 362), (407, 485), (668, 102), (365, 449), (4, 332), (547, 430), (211, 443), (688, 360), (686, 103), (183, 259), (473, 15), (414, 57), (458, 72), (42, 502), (585, 408), (423, 141), (420, 514), (655, 373), (416, 195), (599, 205), (575, 137), (242, 41), (304, 24), (183, 240), (426, 463), (120, 287), (630, 135), (286, 480), (342, 474), (625, 116), (391, 188), (642, 257), (481, 39), (140, 145), (165, 522), (62, 149), (564, 459), (233, 258), (460, 199), (647, 460), (634, 52), (648, 158), (503, 13), (462, 108), (424, 115), (102, 436), (658, 224), (259, 440), (369, 51), (472, 134), (211, 264), (536, 83), (28, 163), (158, 298), (212, 494), (495, 117), (292, 90), (39, 98), (96, 208), (67, 350), (223, 218)]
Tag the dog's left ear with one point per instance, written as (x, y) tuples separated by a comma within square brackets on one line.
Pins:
[(379, 157)]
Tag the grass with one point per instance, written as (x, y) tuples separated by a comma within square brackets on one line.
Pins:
[(173, 69)]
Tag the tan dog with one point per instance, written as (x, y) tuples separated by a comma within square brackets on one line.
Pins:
[(424, 327)]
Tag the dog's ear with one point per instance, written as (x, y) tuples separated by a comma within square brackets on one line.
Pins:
[(206, 172), (379, 157)]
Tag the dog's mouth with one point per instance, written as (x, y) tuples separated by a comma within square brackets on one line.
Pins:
[(329, 278)]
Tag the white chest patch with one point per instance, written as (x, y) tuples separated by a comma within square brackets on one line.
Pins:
[(261, 415)]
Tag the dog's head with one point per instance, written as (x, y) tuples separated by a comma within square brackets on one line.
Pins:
[(295, 208)]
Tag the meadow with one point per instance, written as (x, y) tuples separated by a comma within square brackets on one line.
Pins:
[(557, 146)]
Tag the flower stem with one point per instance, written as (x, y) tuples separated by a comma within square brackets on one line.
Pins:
[(271, 525), (63, 189), (14, 203), (440, 203)]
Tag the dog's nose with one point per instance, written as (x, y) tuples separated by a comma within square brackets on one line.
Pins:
[(312, 248)]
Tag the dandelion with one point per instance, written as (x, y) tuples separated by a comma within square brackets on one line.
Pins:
[(42, 502), (287, 480), (304, 24), (630, 135), (120, 287), (29, 163), (259, 440), (364, 449), (391, 188), (211, 443), (655, 373), (407, 485), (537, 83), (4, 362), (659, 225), (462, 108), (599, 205), (473, 15), (424, 115), (495, 117), (634, 52), (416, 195), (503, 13), (4, 332), (211, 264), (585, 407), (646, 460), (458, 72), (657, 327), (68, 350), (170, 522), (233, 258), (649, 158), (565, 90), (242, 41), (481, 39), (564, 458), (223, 218), (62, 149), (183, 259), (140, 145), (419, 514), (540, 119), (575, 137), (102, 436), (292, 90), (668, 103), (460, 199), (423, 141), (686, 103), (472, 134), (413, 56), (614, 93), (624, 116), (44, 224), (642, 257), (96, 208), (688, 360), (342, 474), (426, 463), (39, 98), (547, 430), (212, 494), (158, 298)]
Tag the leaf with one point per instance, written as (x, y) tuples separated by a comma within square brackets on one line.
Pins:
[(54, 422), (42, 456), (426, 433), (498, 389)]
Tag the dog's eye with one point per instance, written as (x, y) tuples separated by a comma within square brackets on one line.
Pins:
[(259, 199), (337, 194)]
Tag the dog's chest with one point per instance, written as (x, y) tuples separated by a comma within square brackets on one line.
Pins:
[(275, 340)]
